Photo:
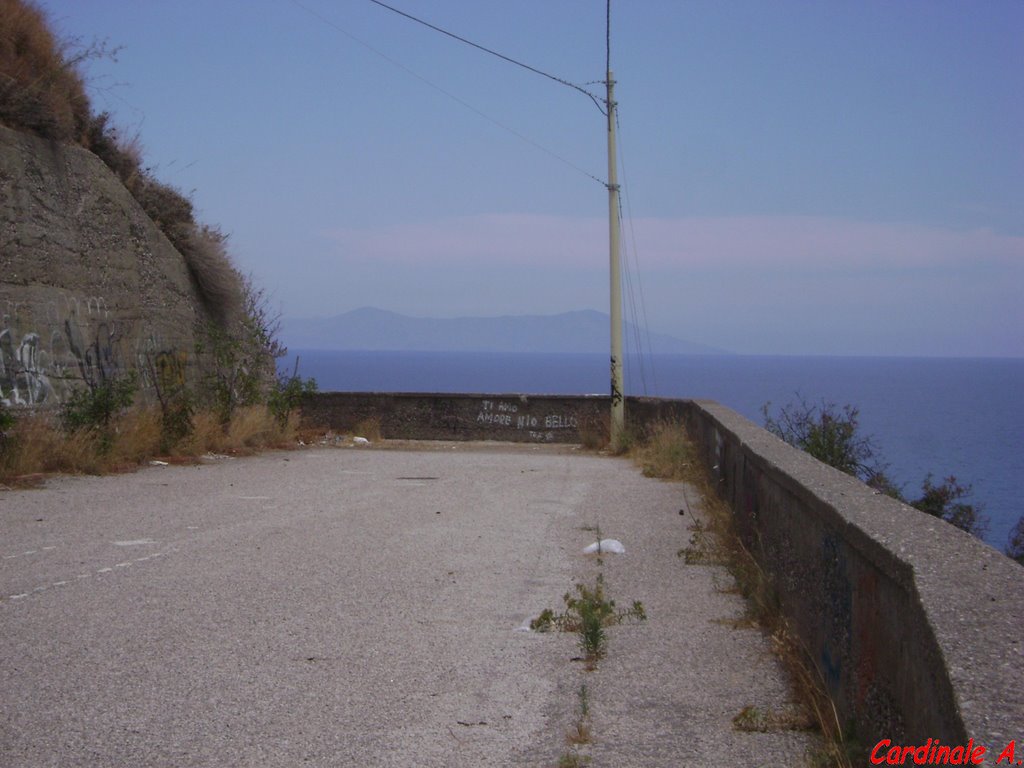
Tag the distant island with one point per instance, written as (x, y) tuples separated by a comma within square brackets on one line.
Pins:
[(365, 329)]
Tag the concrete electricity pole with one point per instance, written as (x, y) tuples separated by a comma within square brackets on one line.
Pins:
[(618, 417)]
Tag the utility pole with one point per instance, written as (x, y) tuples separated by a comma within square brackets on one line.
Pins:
[(618, 417)]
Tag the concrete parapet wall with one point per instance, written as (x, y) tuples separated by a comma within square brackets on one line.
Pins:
[(508, 418), (916, 627)]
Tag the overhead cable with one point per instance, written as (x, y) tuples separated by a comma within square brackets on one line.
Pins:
[(450, 95), (645, 335), (597, 101)]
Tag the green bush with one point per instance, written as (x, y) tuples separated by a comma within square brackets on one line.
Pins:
[(288, 395), (242, 356), (1015, 541), (830, 434), (98, 404), (94, 408), (6, 422), (833, 436)]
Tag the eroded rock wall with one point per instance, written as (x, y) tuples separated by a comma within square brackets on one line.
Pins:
[(89, 286)]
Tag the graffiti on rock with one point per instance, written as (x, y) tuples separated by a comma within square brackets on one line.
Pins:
[(23, 378), (96, 358), (164, 371), (48, 346), (170, 368)]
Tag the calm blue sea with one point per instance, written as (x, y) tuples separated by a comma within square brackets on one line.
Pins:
[(962, 417)]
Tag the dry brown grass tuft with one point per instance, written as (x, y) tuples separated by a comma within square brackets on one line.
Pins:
[(136, 436), (667, 453), (36, 445), (253, 427), (594, 431), (368, 428), (31, 444), (206, 254), (579, 734), (122, 155), (207, 435)]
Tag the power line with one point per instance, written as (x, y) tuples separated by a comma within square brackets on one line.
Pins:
[(646, 333), (597, 101), (450, 95)]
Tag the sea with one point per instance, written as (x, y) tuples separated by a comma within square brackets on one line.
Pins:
[(941, 416)]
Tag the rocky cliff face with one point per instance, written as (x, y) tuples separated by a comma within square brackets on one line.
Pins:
[(89, 286)]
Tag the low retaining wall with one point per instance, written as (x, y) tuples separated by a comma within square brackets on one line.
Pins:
[(916, 627)]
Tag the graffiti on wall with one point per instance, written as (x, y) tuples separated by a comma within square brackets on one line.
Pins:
[(503, 413)]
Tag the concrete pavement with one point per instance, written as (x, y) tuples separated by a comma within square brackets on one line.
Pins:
[(352, 607)]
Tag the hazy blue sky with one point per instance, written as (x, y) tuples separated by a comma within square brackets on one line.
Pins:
[(802, 177)]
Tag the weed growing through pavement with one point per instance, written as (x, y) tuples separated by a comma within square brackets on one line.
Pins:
[(572, 760), (584, 701), (580, 732), (755, 720), (587, 612), (702, 549)]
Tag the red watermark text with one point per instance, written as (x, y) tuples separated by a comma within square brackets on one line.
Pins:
[(934, 752)]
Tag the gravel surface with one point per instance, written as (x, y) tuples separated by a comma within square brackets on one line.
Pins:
[(358, 607)]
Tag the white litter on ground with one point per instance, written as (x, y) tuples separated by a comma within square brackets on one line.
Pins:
[(157, 463), (605, 547), (360, 441)]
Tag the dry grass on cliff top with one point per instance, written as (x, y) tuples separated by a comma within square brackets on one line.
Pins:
[(40, 88), (42, 92)]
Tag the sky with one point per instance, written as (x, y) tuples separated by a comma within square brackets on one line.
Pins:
[(799, 177)]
